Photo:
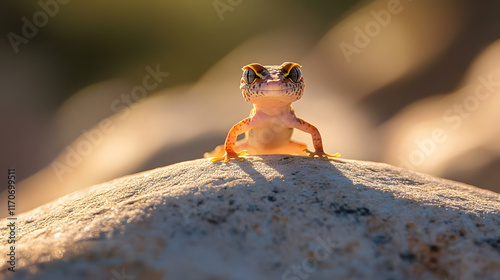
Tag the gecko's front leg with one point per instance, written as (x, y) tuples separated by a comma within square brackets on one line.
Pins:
[(229, 145), (300, 124)]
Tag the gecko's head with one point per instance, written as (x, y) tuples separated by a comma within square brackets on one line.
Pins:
[(283, 83)]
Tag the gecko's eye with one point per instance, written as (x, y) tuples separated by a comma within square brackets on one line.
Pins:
[(249, 76), (295, 74)]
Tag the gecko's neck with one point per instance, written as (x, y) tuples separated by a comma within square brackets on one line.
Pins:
[(274, 108)]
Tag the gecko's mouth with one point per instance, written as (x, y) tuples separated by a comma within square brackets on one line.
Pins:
[(271, 90)]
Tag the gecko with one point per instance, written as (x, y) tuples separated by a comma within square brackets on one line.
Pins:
[(269, 128)]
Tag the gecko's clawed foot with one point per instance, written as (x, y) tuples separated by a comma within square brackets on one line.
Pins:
[(230, 155), (321, 155)]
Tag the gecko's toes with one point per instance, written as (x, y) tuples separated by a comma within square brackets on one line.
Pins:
[(309, 153), (336, 155), (321, 155), (216, 159), (229, 156), (242, 153)]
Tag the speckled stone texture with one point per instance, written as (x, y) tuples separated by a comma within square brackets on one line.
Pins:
[(268, 217)]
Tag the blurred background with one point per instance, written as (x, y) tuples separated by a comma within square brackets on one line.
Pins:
[(93, 90)]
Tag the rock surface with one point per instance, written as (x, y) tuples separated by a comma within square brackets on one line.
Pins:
[(268, 217)]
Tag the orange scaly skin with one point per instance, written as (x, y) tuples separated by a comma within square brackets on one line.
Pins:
[(269, 128)]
